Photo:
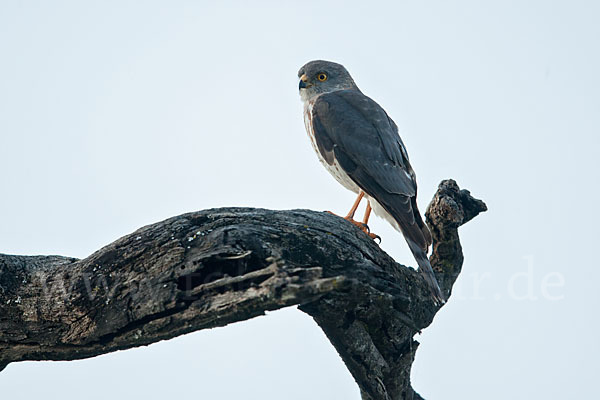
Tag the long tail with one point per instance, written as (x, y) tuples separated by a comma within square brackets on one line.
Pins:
[(427, 271)]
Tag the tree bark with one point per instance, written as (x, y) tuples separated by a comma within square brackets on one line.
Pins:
[(214, 267)]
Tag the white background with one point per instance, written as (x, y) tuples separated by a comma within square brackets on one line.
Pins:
[(118, 114)]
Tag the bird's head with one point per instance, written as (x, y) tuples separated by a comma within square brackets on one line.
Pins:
[(317, 77)]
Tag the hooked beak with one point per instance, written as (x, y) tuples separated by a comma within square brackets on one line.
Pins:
[(303, 84)]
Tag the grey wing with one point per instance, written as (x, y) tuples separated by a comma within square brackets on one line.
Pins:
[(364, 140)]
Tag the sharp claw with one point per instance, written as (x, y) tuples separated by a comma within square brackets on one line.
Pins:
[(360, 225), (365, 228), (375, 237)]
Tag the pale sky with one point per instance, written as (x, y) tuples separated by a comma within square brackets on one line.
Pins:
[(117, 114)]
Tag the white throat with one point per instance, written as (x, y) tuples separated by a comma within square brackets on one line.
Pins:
[(304, 95)]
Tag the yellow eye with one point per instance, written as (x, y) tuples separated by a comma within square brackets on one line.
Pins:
[(322, 77)]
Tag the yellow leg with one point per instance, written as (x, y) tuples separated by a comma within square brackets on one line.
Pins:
[(355, 206), (365, 220), (367, 213), (361, 225)]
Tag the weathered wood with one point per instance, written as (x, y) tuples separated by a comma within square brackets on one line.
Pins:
[(214, 267)]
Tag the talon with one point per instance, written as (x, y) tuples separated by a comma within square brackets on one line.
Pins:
[(360, 225), (365, 228), (374, 237)]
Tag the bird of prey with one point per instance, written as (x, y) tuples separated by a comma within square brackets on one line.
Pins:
[(359, 144)]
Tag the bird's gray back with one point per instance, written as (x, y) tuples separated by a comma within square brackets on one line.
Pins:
[(361, 129)]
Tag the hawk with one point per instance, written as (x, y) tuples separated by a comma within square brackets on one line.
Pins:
[(359, 144)]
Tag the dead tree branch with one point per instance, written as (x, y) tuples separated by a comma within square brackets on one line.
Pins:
[(214, 267)]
